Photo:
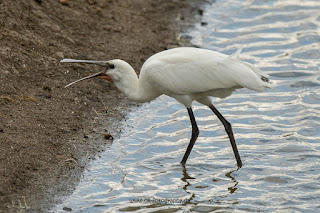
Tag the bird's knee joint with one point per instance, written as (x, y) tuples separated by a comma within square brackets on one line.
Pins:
[(195, 132), (228, 128), (229, 131)]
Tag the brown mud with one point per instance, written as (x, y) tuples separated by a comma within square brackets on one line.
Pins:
[(44, 127)]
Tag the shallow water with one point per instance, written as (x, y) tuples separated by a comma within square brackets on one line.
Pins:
[(277, 132)]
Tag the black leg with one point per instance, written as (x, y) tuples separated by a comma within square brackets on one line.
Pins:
[(229, 131), (194, 136)]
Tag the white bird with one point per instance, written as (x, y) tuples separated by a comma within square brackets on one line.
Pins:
[(187, 74)]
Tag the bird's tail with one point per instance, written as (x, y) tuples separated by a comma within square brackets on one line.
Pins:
[(265, 82), (263, 76)]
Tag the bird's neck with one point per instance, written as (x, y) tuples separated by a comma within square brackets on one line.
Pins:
[(136, 89)]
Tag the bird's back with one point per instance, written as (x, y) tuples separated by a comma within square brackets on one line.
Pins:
[(188, 70)]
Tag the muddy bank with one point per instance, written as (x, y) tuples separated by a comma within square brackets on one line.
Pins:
[(43, 126)]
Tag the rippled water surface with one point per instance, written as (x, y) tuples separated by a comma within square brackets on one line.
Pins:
[(277, 131)]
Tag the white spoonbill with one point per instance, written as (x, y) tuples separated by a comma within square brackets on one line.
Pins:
[(187, 74)]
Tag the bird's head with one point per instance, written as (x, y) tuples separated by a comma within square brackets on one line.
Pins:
[(113, 72)]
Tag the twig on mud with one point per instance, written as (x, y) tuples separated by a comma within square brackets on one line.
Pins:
[(96, 111), (19, 204)]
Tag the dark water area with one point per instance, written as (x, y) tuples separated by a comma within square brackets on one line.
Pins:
[(277, 131)]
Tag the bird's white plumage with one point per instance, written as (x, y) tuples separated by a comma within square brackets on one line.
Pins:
[(192, 71)]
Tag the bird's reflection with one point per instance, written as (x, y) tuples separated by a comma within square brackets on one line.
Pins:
[(234, 187), (186, 177), (185, 174)]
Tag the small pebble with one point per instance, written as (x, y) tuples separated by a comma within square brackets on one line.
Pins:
[(64, 2), (204, 23), (47, 88), (67, 209), (108, 136)]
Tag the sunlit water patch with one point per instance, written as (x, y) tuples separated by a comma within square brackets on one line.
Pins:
[(277, 132)]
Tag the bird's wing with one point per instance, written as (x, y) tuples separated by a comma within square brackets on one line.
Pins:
[(196, 72)]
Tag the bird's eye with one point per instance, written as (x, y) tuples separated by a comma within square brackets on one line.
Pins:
[(111, 66)]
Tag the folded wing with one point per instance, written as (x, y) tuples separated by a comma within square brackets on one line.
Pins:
[(190, 70)]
